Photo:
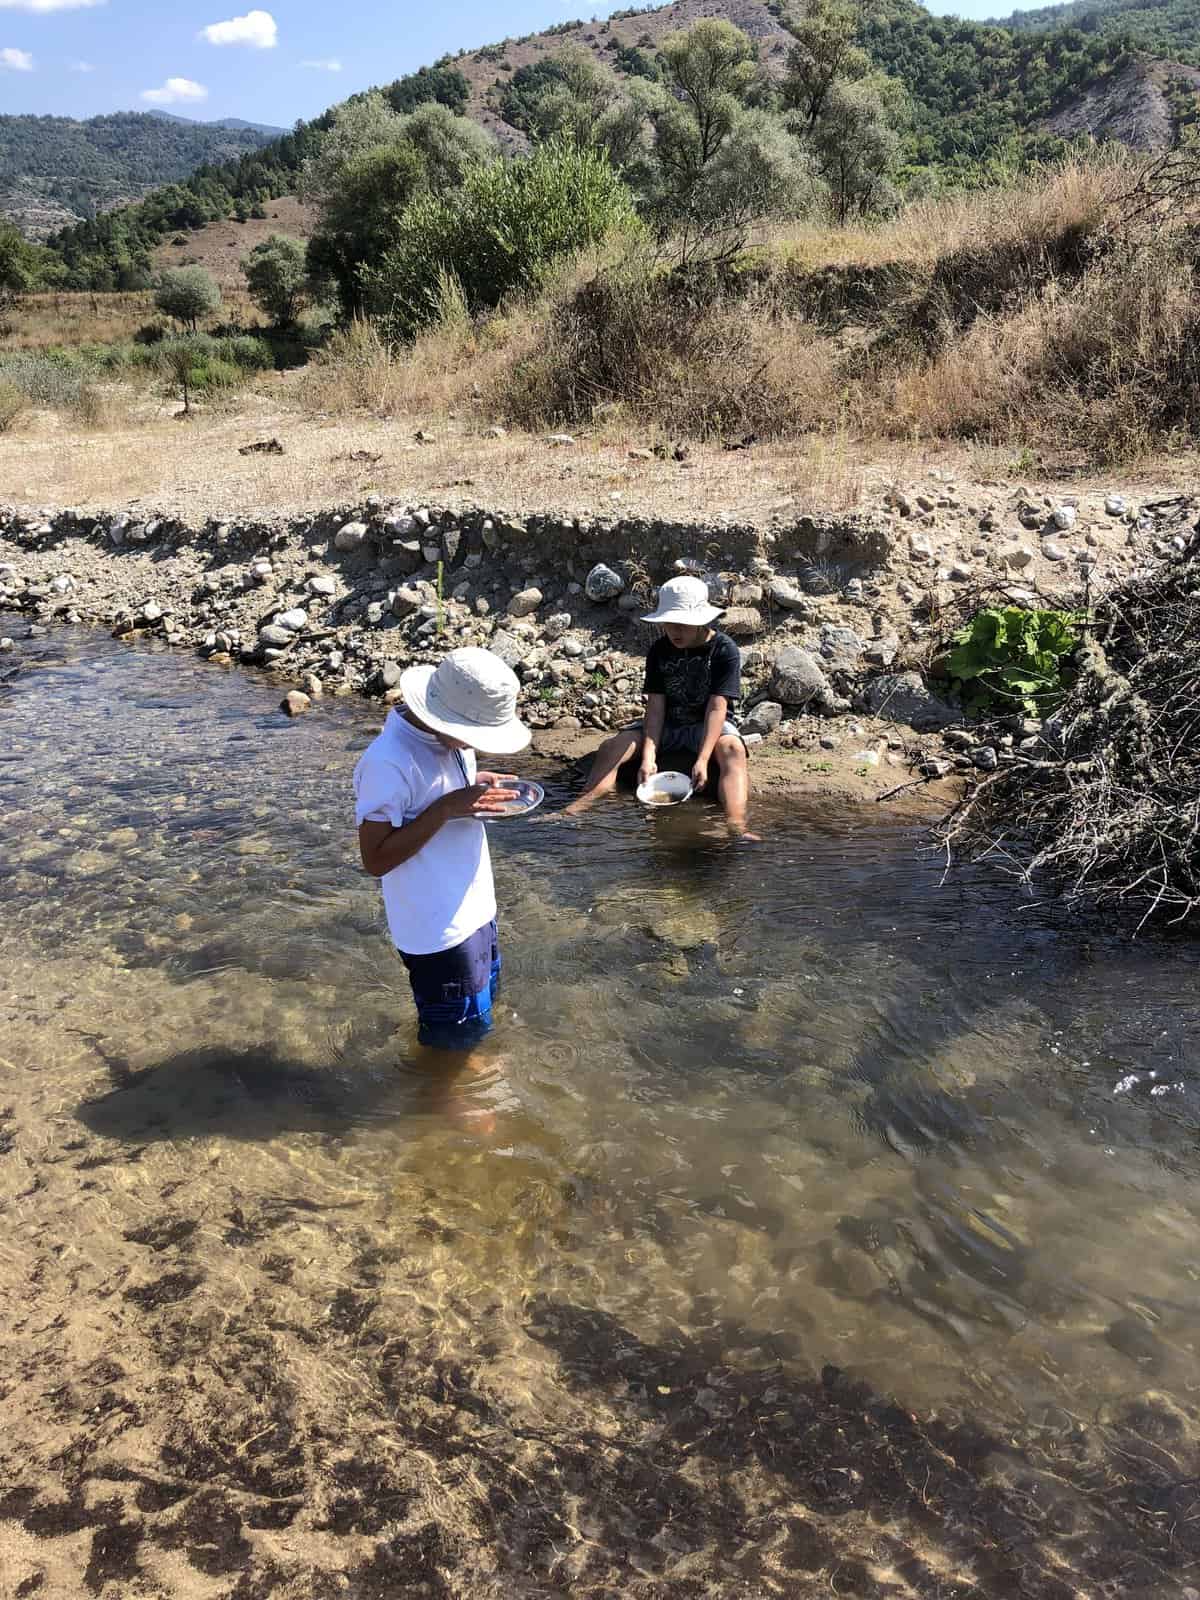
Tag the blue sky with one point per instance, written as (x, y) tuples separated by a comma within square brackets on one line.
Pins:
[(266, 60)]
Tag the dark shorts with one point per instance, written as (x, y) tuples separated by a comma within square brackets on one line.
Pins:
[(455, 991)]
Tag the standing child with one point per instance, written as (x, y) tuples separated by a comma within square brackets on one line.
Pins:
[(420, 806), (693, 681)]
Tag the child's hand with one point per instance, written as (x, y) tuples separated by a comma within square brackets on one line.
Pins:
[(700, 774), (480, 800), (496, 779), (647, 769)]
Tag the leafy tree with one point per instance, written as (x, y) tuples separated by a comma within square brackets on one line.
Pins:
[(186, 294), (856, 150), (448, 146), (826, 50), (362, 124), (504, 230), (440, 84), (18, 264), (357, 222), (275, 276)]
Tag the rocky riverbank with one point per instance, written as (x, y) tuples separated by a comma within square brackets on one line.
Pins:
[(839, 617)]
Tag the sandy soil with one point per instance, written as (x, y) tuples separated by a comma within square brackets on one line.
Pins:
[(195, 470)]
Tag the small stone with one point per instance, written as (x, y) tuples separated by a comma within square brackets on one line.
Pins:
[(1053, 551), (335, 661), (558, 624), (641, 455), (313, 687), (602, 584), (1115, 505), (919, 547), (293, 620), (986, 759), (1015, 556), (390, 674), (926, 503), (1063, 517), (152, 612), (482, 606), (350, 536), (63, 584), (936, 767), (273, 636), (960, 572), (854, 591), (508, 647), (497, 432), (373, 615), (6, 645), (560, 439), (787, 597), (525, 603), (295, 703), (572, 648), (324, 586), (405, 601)]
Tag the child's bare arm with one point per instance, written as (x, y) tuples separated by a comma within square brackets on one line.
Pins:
[(383, 847), (714, 726), (652, 727)]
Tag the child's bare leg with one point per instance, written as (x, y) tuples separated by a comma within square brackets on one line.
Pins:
[(734, 787), (610, 758)]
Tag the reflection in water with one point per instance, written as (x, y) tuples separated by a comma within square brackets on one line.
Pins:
[(798, 1099)]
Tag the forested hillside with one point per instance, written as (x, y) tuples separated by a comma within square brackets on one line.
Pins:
[(964, 100), (81, 168), (1170, 29)]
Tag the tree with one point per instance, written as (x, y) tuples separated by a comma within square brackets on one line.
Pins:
[(720, 161), (826, 50), (441, 84), (186, 294), (449, 146), (275, 276), (358, 221), (365, 123), (18, 264), (503, 230), (856, 150)]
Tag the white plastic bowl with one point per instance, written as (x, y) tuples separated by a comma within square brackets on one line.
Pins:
[(665, 789)]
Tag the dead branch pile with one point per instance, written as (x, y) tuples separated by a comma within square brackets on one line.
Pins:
[(1109, 804)]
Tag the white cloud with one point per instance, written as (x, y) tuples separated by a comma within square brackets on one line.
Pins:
[(49, 5), (332, 64), (16, 60), (82, 66), (256, 29), (175, 90)]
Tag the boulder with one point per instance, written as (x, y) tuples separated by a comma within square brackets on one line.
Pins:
[(602, 583), (841, 648), (787, 596), (508, 647), (764, 718), (295, 703), (274, 637), (903, 697), (293, 620), (797, 680), (742, 622), (350, 536), (525, 603)]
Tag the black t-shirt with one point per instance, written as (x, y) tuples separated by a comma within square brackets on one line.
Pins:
[(690, 678)]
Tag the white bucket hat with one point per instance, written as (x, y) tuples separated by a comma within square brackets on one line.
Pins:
[(470, 695), (685, 600)]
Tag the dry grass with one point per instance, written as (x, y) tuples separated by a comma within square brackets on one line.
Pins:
[(220, 247), (43, 321)]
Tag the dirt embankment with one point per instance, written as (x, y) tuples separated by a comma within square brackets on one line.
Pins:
[(838, 616)]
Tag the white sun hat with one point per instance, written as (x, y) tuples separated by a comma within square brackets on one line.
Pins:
[(471, 695), (685, 600)]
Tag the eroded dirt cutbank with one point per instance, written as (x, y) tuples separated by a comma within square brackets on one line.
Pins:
[(837, 615)]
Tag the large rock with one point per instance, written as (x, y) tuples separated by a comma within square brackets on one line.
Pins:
[(525, 603), (742, 622), (602, 583), (797, 680), (903, 697), (275, 637), (765, 717), (508, 647), (293, 620), (295, 703), (787, 596), (841, 648), (350, 536)]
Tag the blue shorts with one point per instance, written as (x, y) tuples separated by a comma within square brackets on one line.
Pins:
[(455, 990)]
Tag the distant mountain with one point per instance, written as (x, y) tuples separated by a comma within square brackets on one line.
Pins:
[(56, 170), (237, 123), (1161, 28)]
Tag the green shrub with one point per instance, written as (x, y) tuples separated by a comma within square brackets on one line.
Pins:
[(13, 405), (186, 294), (53, 383), (503, 230), (1010, 659)]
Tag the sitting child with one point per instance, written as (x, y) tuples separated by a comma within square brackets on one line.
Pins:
[(693, 680)]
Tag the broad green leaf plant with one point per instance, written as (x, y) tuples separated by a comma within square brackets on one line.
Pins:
[(1010, 659)]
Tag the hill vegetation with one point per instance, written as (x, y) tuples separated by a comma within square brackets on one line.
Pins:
[(965, 101), (78, 169), (1168, 28)]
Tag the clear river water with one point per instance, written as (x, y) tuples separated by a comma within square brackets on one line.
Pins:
[(812, 1094)]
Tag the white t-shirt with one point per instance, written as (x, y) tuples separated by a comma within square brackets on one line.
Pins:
[(444, 893)]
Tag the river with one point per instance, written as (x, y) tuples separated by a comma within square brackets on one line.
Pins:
[(752, 1111)]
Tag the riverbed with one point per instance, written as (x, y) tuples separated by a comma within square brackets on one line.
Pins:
[(813, 1218)]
